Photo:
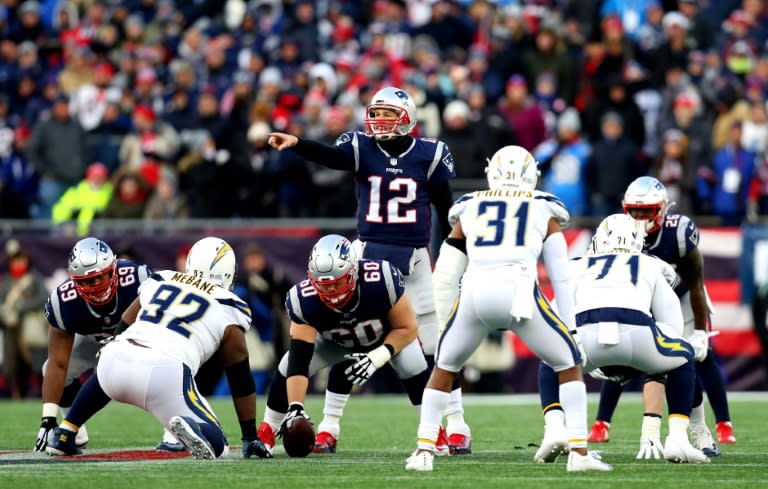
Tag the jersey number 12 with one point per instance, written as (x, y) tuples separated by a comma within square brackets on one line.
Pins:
[(405, 186)]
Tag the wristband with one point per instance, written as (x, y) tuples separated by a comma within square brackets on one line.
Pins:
[(50, 410)]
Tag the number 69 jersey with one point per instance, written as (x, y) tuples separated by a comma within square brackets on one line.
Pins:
[(185, 316), (68, 311), (360, 327), (506, 226)]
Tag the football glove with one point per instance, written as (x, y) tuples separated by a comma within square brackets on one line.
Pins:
[(47, 426), (366, 364), (295, 410), (256, 447), (650, 448), (699, 340)]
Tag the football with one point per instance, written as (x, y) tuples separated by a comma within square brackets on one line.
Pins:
[(299, 440)]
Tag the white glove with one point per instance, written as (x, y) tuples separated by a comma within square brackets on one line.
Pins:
[(650, 448), (366, 364), (699, 340), (295, 410)]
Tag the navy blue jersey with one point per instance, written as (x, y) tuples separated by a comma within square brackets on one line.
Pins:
[(363, 324), (392, 194), (68, 311), (677, 237)]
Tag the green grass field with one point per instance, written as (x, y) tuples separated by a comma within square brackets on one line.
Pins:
[(379, 432)]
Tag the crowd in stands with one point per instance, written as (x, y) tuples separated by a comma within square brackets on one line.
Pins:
[(160, 109)]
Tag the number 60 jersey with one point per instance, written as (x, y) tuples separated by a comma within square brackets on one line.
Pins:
[(185, 316), (506, 226)]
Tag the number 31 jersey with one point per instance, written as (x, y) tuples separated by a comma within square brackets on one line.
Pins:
[(68, 311), (185, 316), (506, 226), (363, 324)]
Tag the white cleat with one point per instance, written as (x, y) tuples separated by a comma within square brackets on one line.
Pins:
[(701, 439), (650, 448), (189, 434), (420, 461), (678, 449), (552, 446), (585, 463), (81, 440)]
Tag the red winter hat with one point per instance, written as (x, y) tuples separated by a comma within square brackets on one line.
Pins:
[(145, 112)]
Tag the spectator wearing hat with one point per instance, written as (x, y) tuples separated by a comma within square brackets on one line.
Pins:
[(18, 179), (612, 166), (563, 162), (459, 132), (675, 171), (613, 97), (58, 151), (292, 179), (632, 12), (166, 201), (129, 198), (151, 143), (77, 71), (549, 56), (727, 185), (90, 100), (754, 131), (675, 49), (701, 31), (447, 29), (83, 202), (617, 49), (522, 113), (759, 13), (28, 105), (30, 26), (302, 26)]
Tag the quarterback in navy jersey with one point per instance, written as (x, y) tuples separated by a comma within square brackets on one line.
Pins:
[(397, 178), (674, 238), (348, 309), (81, 312)]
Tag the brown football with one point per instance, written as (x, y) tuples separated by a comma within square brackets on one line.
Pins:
[(299, 440)]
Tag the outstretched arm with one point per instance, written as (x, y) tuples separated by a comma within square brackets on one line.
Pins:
[(330, 156)]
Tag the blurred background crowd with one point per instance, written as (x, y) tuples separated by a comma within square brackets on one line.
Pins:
[(159, 109)]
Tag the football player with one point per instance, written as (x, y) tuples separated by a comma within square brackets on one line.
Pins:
[(397, 177), (347, 309), (674, 238), (629, 320), (492, 252), (183, 318), (82, 312)]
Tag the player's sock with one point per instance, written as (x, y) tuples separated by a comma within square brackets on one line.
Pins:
[(277, 399), (698, 414), (433, 406), (333, 410), (549, 388), (678, 424), (651, 427), (415, 386), (679, 389), (454, 414), (215, 437), (66, 425), (573, 396), (273, 418), (610, 392), (711, 377), (91, 400), (554, 417)]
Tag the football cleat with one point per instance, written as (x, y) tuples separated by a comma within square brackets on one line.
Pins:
[(600, 432), (441, 445), (554, 444), (267, 436), (459, 444), (188, 432), (725, 433), (420, 461), (81, 440), (167, 446), (701, 439), (584, 463), (62, 442), (324, 443), (678, 449)]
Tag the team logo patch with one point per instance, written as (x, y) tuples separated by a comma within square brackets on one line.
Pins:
[(344, 250), (344, 138), (694, 237), (403, 96), (448, 161)]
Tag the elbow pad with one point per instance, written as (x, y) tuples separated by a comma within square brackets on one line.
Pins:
[(449, 269), (299, 356)]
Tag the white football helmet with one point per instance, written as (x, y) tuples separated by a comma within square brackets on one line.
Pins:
[(618, 233), (93, 269), (333, 270), (512, 166), (398, 101), (214, 260), (647, 194)]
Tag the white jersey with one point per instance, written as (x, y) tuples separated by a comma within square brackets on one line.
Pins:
[(628, 281), (185, 316), (506, 226)]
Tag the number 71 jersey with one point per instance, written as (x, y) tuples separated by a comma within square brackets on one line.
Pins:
[(506, 226)]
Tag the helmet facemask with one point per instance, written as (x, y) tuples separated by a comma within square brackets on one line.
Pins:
[(99, 287), (335, 293), (384, 127), (652, 215)]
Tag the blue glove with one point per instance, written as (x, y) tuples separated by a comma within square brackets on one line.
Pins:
[(255, 447)]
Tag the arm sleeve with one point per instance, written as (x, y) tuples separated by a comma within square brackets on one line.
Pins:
[(330, 156), (665, 306), (555, 253), (441, 197)]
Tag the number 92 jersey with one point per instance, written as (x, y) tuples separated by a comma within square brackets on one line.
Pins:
[(185, 316), (68, 311), (506, 225), (360, 327)]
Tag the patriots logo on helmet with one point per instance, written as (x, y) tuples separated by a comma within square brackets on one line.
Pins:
[(403, 96), (344, 250)]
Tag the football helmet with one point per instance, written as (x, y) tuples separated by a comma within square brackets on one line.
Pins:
[(213, 259), (647, 194), (618, 233), (401, 104), (512, 166), (333, 270), (93, 269)]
